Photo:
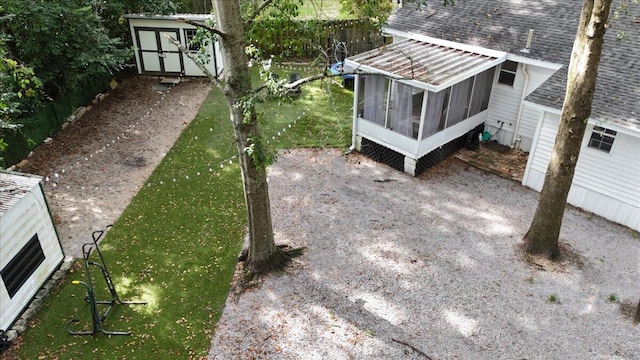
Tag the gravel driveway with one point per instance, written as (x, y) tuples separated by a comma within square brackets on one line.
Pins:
[(399, 267)]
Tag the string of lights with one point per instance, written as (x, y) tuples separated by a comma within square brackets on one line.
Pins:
[(56, 178)]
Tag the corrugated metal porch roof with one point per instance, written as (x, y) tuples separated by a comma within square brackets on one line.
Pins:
[(436, 66)]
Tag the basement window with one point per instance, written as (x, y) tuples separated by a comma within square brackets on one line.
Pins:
[(508, 73), (22, 266), (602, 138)]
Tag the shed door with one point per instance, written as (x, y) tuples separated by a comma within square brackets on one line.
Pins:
[(157, 54)]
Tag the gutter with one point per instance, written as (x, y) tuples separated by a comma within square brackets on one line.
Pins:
[(515, 137), (526, 50)]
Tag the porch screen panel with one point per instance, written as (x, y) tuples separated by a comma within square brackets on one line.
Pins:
[(361, 97), (481, 92), (445, 109), (375, 99), (416, 112), (459, 105), (434, 111), (400, 119)]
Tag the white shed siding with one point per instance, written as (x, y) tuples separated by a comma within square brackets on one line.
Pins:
[(607, 184), (146, 26), (26, 217)]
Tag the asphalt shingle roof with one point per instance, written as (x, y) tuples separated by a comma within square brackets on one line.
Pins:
[(504, 25)]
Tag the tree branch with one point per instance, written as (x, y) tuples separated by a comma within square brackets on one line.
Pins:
[(325, 75), (413, 348), (203, 26), (298, 83), (257, 12), (187, 53)]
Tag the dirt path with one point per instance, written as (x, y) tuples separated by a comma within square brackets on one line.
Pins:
[(95, 166)]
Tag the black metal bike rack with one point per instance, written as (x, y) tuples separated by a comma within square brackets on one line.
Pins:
[(98, 318)]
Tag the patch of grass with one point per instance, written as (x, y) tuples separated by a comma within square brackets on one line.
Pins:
[(322, 9), (553, 298), (613, 298), (320, 117), (175, 246)]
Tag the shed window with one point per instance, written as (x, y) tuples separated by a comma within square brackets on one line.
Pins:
[(508, 72), (23, 264), (189, 35), (602, 138)]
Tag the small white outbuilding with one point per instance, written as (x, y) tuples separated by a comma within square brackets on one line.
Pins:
[(156, 55), (30, 250)]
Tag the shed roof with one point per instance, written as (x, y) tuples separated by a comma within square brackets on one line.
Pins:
[(504, 25), (14, 187), (438, 66), (174, 17)]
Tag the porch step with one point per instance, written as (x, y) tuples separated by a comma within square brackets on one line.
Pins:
[(170, 80)]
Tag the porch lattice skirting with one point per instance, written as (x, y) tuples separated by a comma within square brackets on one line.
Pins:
[(396, 160), (381, 154)]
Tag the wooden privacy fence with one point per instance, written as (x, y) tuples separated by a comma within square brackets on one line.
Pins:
[(312, 38)]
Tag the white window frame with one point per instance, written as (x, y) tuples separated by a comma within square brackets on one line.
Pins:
[(603, 133), (509, 72), (189, 34)]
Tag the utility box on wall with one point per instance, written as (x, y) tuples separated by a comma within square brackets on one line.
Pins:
[(156, 55), (30, 250)]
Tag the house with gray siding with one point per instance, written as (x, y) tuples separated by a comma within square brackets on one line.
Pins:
[(501, 67)]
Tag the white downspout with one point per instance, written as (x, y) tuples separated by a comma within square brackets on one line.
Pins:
[(524, 93), (515, 137), (354, 126)]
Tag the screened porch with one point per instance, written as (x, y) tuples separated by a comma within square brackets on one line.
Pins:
[(415, 96)]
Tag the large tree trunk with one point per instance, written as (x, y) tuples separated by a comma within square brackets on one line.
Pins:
[(542, 237), (263, 254)]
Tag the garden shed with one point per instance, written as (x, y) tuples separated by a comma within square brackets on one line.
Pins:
[(156, 55), (31, 250)]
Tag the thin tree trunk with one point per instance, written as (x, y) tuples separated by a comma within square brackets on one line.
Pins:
[(543, 234), (263, 254)]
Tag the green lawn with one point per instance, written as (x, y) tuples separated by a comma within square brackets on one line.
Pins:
[(175, 246), (322, 9)]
